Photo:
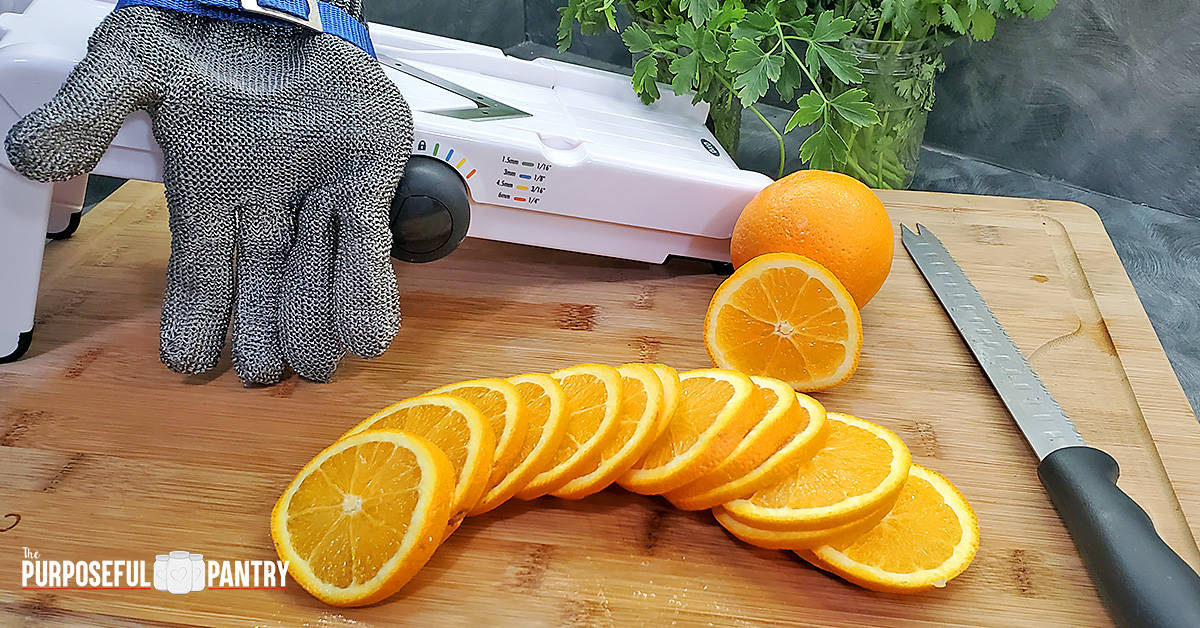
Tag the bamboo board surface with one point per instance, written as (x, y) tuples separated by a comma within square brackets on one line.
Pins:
[(107, 455)]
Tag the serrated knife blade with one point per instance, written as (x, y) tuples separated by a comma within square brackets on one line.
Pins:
[(1036, 412)]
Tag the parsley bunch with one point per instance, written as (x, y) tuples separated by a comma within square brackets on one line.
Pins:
[(720, 49), (730, 48)]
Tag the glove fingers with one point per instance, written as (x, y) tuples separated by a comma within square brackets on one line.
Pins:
[(264, 238), (199, 293), (308, 337), (367, 301), (67, 136)]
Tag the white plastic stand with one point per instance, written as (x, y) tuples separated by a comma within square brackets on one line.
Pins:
[(24, 214), (66, 206)]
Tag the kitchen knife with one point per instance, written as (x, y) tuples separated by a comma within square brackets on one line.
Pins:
[(1140, 579)]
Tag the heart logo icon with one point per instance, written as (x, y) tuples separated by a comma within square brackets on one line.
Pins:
[(181, 574)]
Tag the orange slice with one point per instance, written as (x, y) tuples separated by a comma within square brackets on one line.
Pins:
[(787, 433), (457, 428), (860, 465), (670, 385), (501, 405), (593, 403), (711, 418), (929, 537), (637, 426), (785, 316), (363, 516), (546, 409), (798, 539)]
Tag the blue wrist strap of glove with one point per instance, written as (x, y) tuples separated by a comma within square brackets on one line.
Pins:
[(313, 14)]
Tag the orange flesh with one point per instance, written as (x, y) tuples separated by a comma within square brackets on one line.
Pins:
[(919, 533), (853, 462), (335, 516), (586, 397), (784, 323), (700, 401)]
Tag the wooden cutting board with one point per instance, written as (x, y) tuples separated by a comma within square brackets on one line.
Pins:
[(107, 455)]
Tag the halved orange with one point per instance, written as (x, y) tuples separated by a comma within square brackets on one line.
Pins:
[(786, 433), (929, 537), (363, 516), (457, 428), (859, 466), (593, 403), (637, 426), (546, 410), (785, 316), (710, 420), (799, 539), (501, 405)]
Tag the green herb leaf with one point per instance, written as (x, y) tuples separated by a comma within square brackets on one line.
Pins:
[(803, 26), (729, 13), (1039, 9), (812, 60), (645, 71), (790, 78), (809, 108), (851, 105), (830, 28), (636, 39), (824, 149), (842, 63), (887, 10), (952, 19), (566, 26), (983, 24), (754, 26), (699, 10), (908, 15), (686, 69), (685, 35), (755, 70), (709, 48)]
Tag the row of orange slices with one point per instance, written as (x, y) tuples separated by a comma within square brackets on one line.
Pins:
[(778, 471)]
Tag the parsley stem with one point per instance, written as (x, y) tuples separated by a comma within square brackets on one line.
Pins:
[(778, 138), (803, 68), (774, 131)]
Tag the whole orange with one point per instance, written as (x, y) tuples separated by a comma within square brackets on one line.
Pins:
[(827, 217)]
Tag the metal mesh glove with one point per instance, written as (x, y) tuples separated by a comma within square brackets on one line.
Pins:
[(283, 149)]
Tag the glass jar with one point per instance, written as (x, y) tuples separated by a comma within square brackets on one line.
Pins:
[(898, 77), (179, 572), (160, 571), (199, 577)]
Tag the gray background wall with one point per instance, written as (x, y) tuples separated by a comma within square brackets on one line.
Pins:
[(1104, 94)]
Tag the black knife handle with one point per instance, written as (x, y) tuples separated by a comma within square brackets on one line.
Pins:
[(1140, 579)]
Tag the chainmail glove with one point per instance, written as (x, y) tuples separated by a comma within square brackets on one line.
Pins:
[(282, 150)]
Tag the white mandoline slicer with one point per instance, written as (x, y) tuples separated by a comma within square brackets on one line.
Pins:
[(550, 154)]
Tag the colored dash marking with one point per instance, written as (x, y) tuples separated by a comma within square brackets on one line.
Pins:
[(436, 147), (460, 162), (470, 174), (525, 176), (527, 163), (522, 187), (519, 199), (449, 154)]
